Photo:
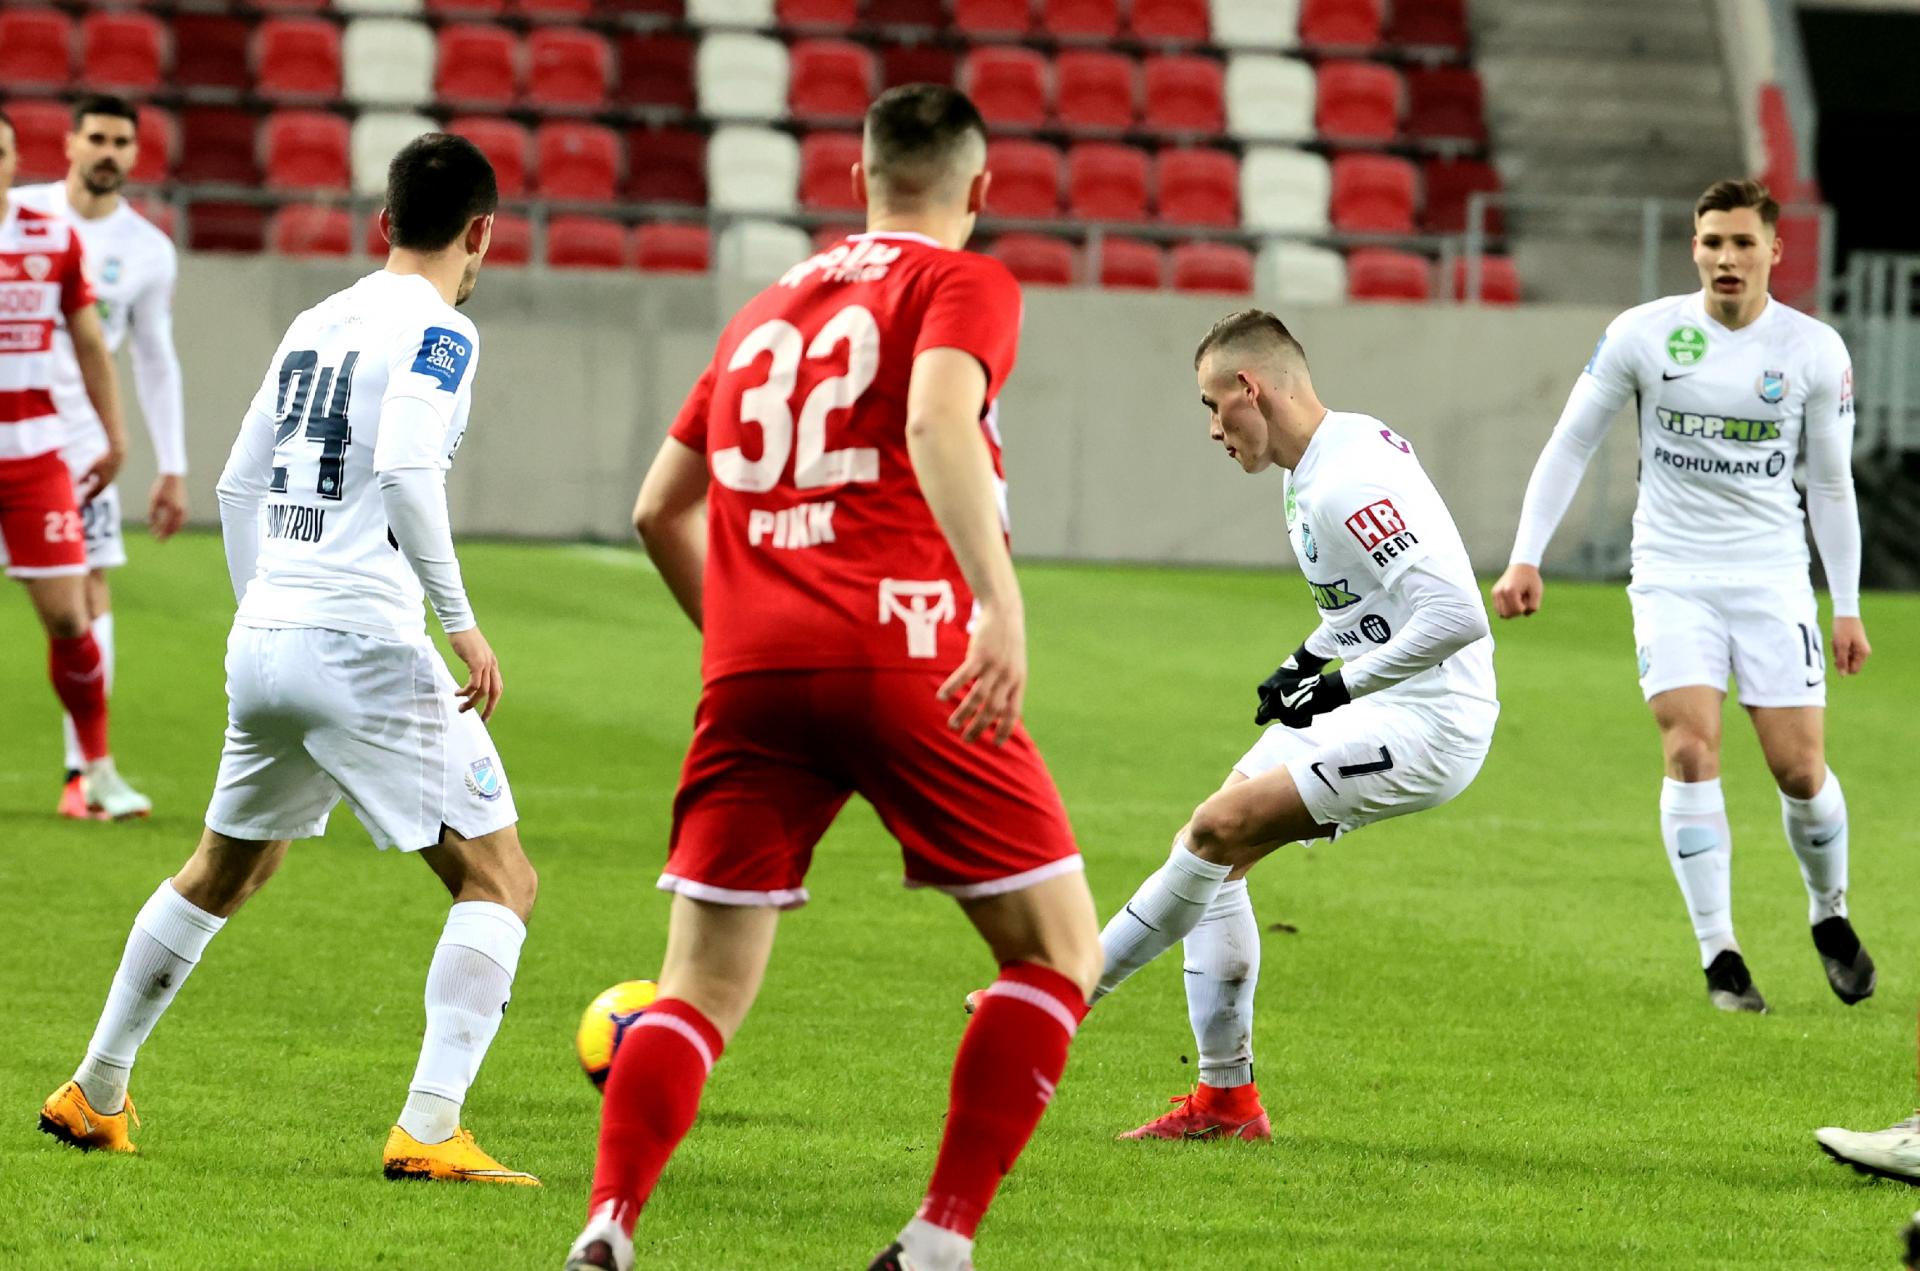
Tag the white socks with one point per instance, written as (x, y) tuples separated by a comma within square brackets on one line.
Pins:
[(468, 986), (1817, 832), (1223, 968), (169, 935), (102, 636), (1168, 906), (935, 1248), (1693, 821)]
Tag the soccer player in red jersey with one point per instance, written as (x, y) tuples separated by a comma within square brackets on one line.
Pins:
[(828, 510), (42, 281)]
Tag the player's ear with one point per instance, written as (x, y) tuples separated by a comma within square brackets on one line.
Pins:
[(858, 175), (977, 192), (386, 228), (1774, 255), (479, 234)]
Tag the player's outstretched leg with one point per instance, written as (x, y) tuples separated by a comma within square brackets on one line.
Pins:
[(1693, 824), (170, 933), (78, 672), (468, 986), (1010, 1060), (1890, 1153), (1168, 905), (1222, 971), (716, 957)]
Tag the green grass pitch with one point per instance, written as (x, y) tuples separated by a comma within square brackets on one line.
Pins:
[(1483, 1036)]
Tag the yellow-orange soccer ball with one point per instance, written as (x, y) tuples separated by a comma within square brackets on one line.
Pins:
[(606, 1021)]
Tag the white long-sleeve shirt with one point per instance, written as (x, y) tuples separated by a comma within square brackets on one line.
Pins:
[(1722, 416), (132, 268)]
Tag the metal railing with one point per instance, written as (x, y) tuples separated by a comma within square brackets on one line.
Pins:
[(1876, 307)]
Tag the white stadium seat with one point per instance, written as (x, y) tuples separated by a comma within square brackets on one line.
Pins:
[(1256, 24), (752, 170), (760, 251), (1284, 191), (1301, 273), (377, 137), (755, 13), (387, 62), (1269, 98), (358, 7), (740, 76)]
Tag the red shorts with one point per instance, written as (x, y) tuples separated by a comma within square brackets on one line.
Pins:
[(40, 518), (775, 756)]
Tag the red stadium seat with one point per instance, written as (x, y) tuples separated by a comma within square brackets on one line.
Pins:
[(1132, 264), (656, 70), (667, 165), (916, 64), (1107, 181), (1026, 179), (1382, 273), (1212, 267), (1448, 184), (512, 244), (1036, 259), (297, 58), (40, 132), (1080, 19), (567, 67), (306, 229), (830, 80), (475, 66), (1198, 187), (1373, 194), (576, 161), (1009, 85), (159, 142), (1499, 281), (1093, 89), (658, 10), (992, 19), (210, 51), (290, 6), (1429, 24), (122, 52), (826, 162), (673, 249), (912, 15), (226, 227), (216, 147), (36, 49), (553, 10), (306, 150), (505, 144), (466, 8), (1185, 93), (1358, 101), (1446, 101), (1344, 24), (1169, 21), (586, 242), (819, 15)]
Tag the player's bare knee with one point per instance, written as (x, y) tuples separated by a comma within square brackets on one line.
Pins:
[(1692, 756), (67, 624), (1799, 776), (1218, 833)]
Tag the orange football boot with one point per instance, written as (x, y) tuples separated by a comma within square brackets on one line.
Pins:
[(73, 802), (1210, 1112), (67, 1116), (458, 1160)]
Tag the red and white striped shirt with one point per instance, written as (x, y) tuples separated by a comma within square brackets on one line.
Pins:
[(41, 281)]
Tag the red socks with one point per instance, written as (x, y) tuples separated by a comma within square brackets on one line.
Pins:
[(80, 679), (1011, 1057), (652, 1096)]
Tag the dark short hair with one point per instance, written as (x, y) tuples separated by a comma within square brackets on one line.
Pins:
[(914, 135), (1249, 326), (1725, 196), (104, 104), (436, 186)]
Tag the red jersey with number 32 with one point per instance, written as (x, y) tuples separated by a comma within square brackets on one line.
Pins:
[(821, 551), (41, 281)]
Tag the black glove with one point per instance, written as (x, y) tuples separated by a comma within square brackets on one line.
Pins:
[(1300, 664), (1296, 705)]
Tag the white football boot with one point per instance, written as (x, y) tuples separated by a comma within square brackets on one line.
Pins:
[(108, 792), (1890, 1153), (603, 1246)]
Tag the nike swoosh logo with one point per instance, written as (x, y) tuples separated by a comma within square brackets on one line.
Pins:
[(1823, 842), (1681, 376), (1687, 856), (86, 1122), (1137, 918), (1315, 769), (1817, 683), (492, 1173), (1205, 1131)]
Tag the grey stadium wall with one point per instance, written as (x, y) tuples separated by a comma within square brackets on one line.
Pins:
[(1106, 448)]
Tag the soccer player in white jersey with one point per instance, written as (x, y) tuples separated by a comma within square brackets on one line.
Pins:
[(334, 509), (1401, 726), (131, 265), (1728, 384)]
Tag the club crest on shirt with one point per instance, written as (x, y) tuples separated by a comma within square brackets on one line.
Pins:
[(1307, 545), (38, 267), (484, 779), (1772, 386), (110, 270)]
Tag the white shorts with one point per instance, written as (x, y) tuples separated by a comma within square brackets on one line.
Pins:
[(316, 715), (100, 519), (1372, 759), (1764, 634)]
